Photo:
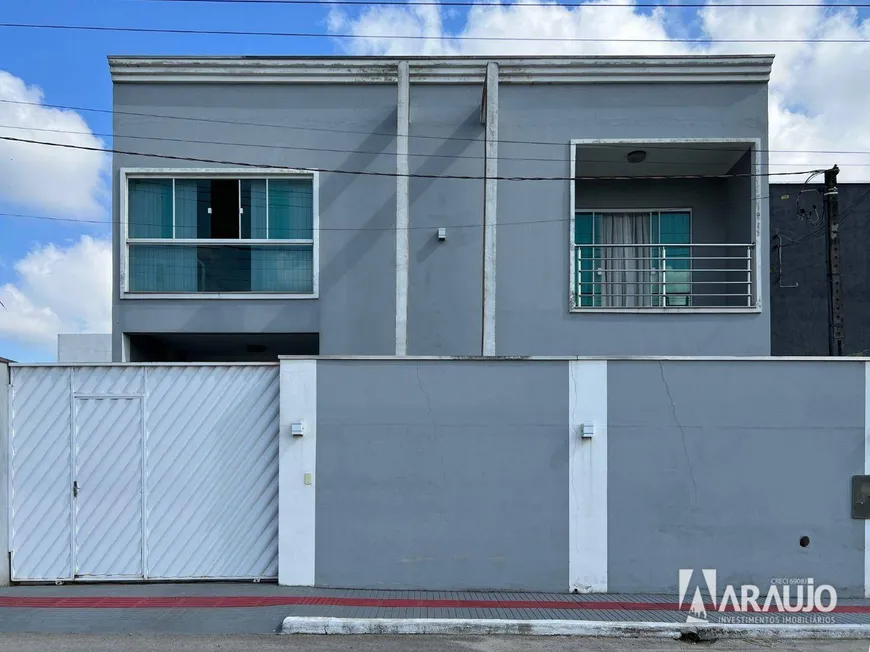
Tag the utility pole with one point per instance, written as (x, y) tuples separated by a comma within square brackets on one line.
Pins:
[(835, 288)]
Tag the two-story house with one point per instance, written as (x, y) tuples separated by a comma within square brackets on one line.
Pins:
[(387, 211), (432, 206)]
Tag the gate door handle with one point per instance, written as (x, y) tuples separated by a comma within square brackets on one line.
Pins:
[(75, 488)]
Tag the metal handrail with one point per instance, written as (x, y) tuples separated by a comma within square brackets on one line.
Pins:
[(673, 278), (693, 245)]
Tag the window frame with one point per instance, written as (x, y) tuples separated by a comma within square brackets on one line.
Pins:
[(125, 174), (603, 211), (758, 182)]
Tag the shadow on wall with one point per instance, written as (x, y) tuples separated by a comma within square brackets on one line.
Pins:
[(365, 234), (437, 164)]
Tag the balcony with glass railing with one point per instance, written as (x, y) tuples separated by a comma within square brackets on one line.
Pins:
[(191, 266)]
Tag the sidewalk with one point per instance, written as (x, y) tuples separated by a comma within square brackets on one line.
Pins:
[(245, 608)]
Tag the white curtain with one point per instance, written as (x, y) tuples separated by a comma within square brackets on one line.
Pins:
[(625, 272)]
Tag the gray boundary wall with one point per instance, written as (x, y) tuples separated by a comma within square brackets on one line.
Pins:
[(4, 469), (472, 473), (727, 465), (441, 476)]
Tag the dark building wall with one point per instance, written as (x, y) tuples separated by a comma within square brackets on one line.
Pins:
[(799, 315)]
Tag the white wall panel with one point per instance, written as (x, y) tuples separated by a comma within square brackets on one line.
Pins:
[(587, 476), (298, 477), (41, 482), (212, 472)]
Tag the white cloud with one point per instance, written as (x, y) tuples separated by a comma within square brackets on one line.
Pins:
[(817, 91), (47, 178), (59, 289)]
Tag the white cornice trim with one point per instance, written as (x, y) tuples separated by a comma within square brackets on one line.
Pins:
[(471, 70)]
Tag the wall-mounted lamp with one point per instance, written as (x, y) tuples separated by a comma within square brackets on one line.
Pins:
[(442, 233), (296, 429), (586, 430)]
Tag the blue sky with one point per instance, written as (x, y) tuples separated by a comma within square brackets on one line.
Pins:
[(811, 106), (72, 70)]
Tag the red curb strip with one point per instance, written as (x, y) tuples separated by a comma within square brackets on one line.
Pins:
[(217, 602)]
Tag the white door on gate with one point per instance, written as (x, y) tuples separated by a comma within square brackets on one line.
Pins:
[(107, 488)]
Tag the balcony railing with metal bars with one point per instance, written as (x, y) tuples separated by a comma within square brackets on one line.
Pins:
[(664, 276)]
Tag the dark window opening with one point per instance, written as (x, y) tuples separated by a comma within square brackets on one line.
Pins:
[(225, 209), (220, 347), (223, 269)]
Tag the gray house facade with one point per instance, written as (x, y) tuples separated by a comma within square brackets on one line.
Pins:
[(464, 206)]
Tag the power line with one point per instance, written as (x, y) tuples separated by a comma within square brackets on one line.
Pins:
[(553, 143), (360, 151), (821, 229), (415, 175), (479, 225), (488, 3), (411, 37)]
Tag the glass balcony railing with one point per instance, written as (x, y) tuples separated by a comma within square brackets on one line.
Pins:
[(174, 267)]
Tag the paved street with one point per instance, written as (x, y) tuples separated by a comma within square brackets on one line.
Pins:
[(86, 643)]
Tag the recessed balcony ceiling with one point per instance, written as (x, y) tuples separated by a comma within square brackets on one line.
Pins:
[(661, 159)]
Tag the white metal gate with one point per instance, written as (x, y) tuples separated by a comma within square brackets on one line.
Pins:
[(144, 471)]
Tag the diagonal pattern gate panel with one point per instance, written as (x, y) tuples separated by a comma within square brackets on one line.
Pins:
[(41, 477), (207, 444), (108, 487), (212, 472)]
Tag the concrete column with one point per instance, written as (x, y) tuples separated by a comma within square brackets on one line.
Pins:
[(403, 202), (5, 434), (125, 349), (587, 476), (490, 218), (297, 480)]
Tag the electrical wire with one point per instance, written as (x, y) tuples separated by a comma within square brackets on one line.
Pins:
[(844, 216), (521, 3), (415, 175), (560, 144), (360, 151), (411, 37), (388, 228), (800, 211)]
